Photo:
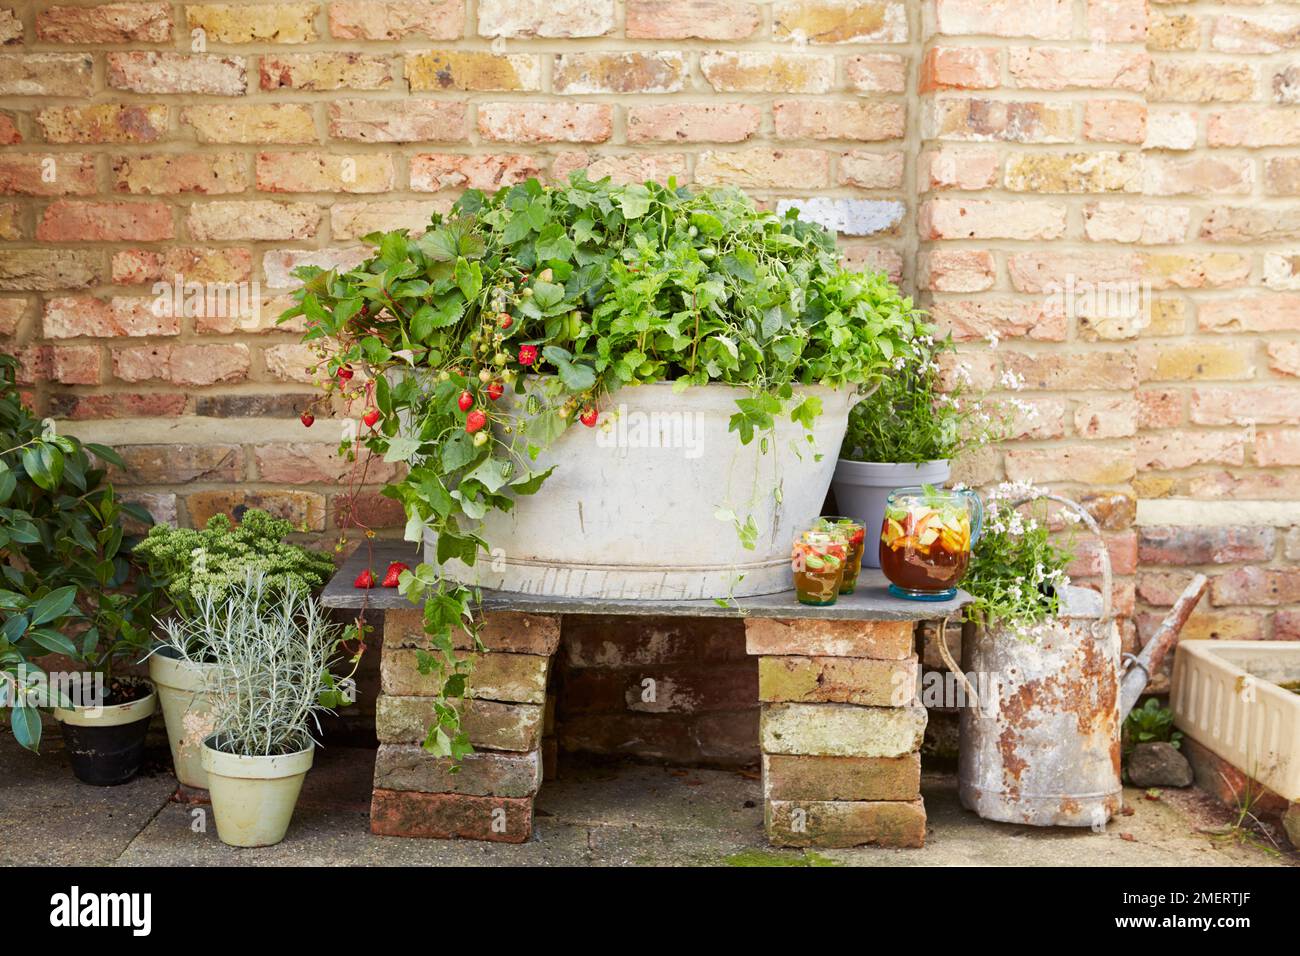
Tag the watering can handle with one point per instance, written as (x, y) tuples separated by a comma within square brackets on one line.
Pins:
[(1091, 525)]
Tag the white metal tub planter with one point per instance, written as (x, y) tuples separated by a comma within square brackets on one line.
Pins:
[(1040, 736)]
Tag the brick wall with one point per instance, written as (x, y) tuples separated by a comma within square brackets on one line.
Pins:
[(986, 153)]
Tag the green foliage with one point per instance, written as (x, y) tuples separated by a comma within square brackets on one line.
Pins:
[(1150, 723), (273, 646), (194, 562), (1017, 566), (915, 417), (70, 586), (559, 296)]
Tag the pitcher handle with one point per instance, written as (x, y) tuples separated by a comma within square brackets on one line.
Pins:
[(977, 513)]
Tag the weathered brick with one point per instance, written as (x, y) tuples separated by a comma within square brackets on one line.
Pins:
[(510, 632), (178, 464), (871, 170), (302, 509), (812, 637), (450, 816), (546, 122), (1196, 361), (1091, 464), (1012, 121), (545, 18), (1043, 19), (120, 405), (473, 70), (1168, 32), (354, 220), (840, 21), (44, 270), (1196, 270), (1247, 224), (161, 72), (396, 19), (258, 220), (192, 264), (843, 680), (744, 71), (958, 168), (990, 219), (1255, 585), (762, 168), (1106, 417), (1198, 81), (1061, 68), (856, 120), (261, 123), (490, 724), (244, 23), (1278, 448), (431, 172), (690, 19), (1282, 176), (841, 730), (1124, 221), (106, 23), (325, 71), (618, 73), (156, 174), (11, 28), (1252, 313), (627, 168), (9, 132), (483, 774), (812, 823), (1205, 545), (1182, 449), (1272, 405), (278, 265), (1284, 358), (799, 777), (1271, 33), (515, 678), (961, 68), (47, 174), (182, 364), (105, 123), (309, 463), (876, 73), (1115, 121), (1049, 271), (74, 316), (973, 319), (712, 123), (70, 220), (324, 172), (1253, 127), (1097, 172), (46, 74)]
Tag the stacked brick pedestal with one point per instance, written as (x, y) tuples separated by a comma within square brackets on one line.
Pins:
[(841, 732), (491, 796)]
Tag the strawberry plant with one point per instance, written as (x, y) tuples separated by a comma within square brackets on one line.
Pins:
[(518, 314)]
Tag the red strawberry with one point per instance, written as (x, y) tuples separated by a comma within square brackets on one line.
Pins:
[(588, 417), (371, 417), (344, 373), (527, 354), (364, 580), (474, 421), (394, 573), (466, 401), (496, 390), (506, 320), (307, 418)]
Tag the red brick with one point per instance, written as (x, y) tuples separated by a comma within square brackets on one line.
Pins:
[(432, 172), (1273, 405), (690, 19), (1256, 585), (962, 68), (182, 364), (821, 119), (106, 23), (693, 122), (77, 221), (876, 73), (302, 509), (396, 19), (162, 72), (1207, 545), (451, 816), (147, 266), (882, 640), (400, 121), (310, 463), (47, 174), (117, 405), (545, 122), (75, 316)]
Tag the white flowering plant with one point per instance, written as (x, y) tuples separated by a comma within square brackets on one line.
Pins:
[(1017, 567), (915, 416)]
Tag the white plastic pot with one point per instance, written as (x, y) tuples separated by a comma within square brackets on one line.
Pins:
[(861, 488), (253, 797), (631, 508), (187, 711)]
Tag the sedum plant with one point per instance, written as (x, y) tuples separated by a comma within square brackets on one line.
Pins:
[(273, 648), (514, 319), (195, 563)]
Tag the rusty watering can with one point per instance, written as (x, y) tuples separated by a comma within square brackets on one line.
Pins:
[(1041, 746)]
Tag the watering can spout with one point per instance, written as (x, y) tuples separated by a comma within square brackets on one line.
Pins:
[(1140, 667)]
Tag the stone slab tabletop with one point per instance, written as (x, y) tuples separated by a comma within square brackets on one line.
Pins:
[(869, 602)]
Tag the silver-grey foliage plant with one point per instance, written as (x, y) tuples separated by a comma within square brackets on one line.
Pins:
[(273, 649)]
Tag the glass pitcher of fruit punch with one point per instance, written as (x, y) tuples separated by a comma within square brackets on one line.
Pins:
[(926, 538)]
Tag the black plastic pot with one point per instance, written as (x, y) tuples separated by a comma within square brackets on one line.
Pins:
[(106, 746)]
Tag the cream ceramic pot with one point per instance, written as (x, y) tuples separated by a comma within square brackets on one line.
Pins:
[(253, 797), (187, 712)]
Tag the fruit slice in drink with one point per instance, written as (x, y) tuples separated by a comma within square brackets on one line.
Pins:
[(818, 559), (855, 536)]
